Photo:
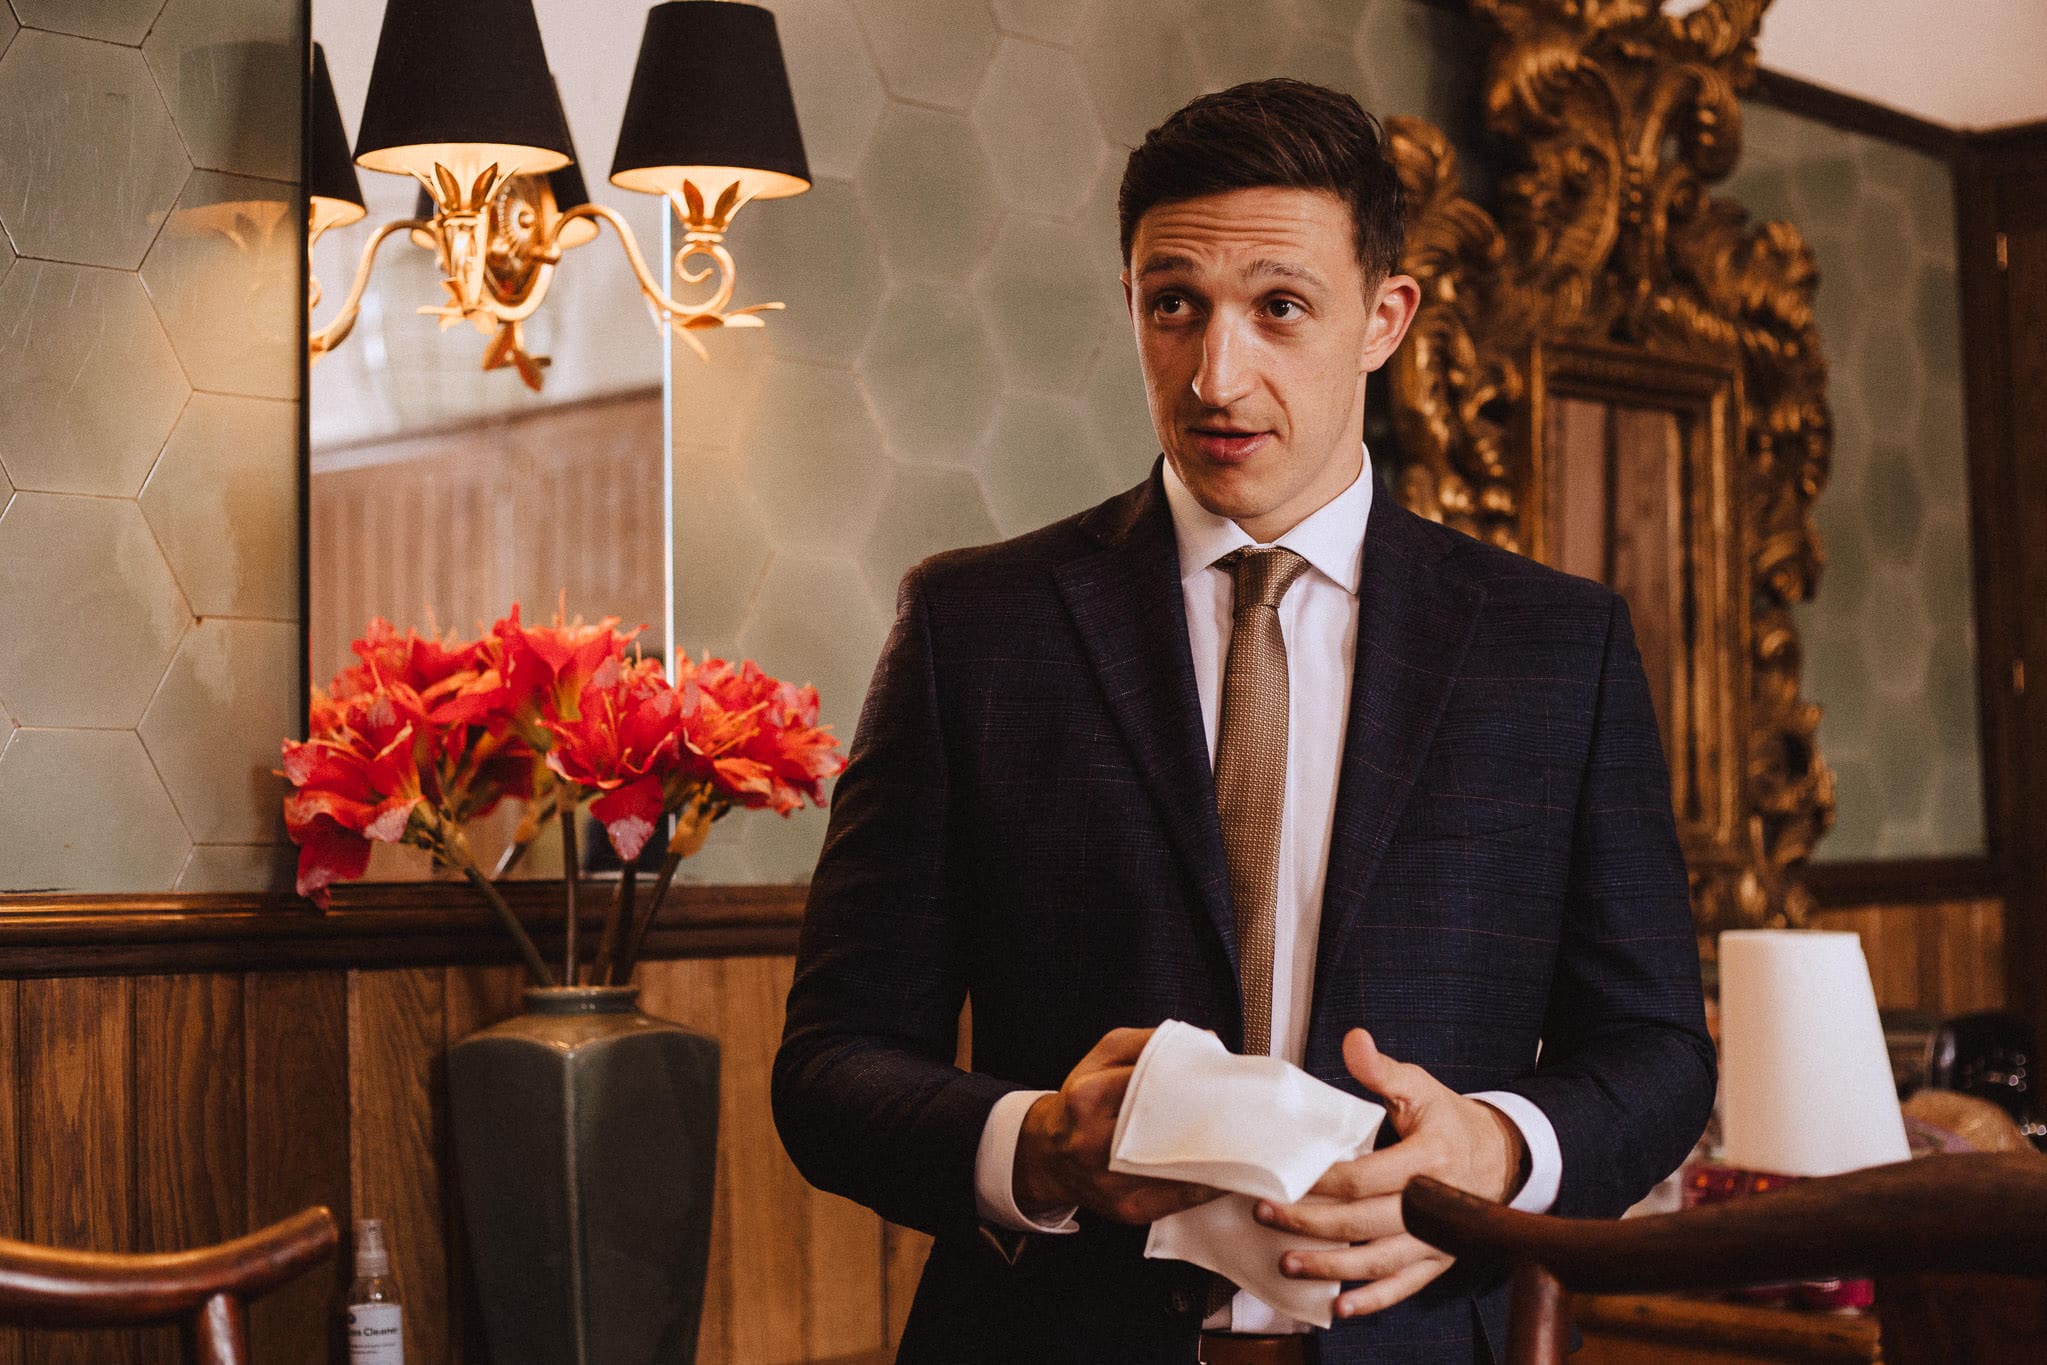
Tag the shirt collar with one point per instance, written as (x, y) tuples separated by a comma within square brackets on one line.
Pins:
[(1331, 538)]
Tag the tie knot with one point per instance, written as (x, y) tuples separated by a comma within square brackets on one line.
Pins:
[(1263, 576)]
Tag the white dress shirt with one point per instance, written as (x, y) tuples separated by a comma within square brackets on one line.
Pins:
[(1319, 621)]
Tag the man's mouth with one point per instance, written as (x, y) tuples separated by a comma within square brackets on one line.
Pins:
[(1226, 444)]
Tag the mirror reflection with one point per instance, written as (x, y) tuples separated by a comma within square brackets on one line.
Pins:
[(441, 490)]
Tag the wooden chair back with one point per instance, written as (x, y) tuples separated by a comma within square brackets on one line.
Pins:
[(1980, 1214), (208, 1288)]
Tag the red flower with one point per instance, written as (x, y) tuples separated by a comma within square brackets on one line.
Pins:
[(357, 783), (759, 736), (623, 742), (421, 736), (544, 669), (431, 668)]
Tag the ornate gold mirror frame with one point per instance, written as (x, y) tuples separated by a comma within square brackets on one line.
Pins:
[(1621, 375)]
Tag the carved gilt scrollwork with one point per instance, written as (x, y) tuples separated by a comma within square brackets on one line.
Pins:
[(1607, 237)]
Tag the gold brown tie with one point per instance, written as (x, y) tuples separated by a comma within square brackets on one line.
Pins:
[(1250, 771)]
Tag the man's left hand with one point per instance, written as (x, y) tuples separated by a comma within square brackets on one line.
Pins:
[(1459, 1141)]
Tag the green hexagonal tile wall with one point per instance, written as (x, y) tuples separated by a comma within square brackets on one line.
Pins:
[(1041, 137), (1048, 21), (110, 21), (225, 508), (84, 587), (1240, 40), (64, 793), (212, 728), (224, 276), (1889, 649), (932, 56), (839, 95), (92, 384), (224, 67), (1043, 289), (95, 178), (94, 161), (929, 193), (932, 374)]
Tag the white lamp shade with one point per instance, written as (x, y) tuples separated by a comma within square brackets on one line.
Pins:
[(1805, 1081)]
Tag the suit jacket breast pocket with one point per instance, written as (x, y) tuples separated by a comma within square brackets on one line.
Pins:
[(1478, 797)]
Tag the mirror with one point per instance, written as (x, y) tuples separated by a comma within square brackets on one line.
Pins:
[(1633, 466), (441, 492), (1620, 374)]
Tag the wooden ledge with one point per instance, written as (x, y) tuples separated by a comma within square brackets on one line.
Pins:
[(388, 924)]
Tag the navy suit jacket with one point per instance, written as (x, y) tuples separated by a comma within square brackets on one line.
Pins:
[(1028, 819)]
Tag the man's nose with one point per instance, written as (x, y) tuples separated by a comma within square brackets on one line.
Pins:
[(1224, 375)]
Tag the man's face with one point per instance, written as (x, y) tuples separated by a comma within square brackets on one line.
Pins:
[(1256, 328)]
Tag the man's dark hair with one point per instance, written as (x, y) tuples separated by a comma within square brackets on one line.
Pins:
[(1279, 132)]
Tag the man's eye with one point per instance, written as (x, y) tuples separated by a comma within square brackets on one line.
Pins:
[(1292, 309), (1168, 305)]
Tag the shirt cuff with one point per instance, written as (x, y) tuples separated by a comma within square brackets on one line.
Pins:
[(1545, 1159), (995, 1169)]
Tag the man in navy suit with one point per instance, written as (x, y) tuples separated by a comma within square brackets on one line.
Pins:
[(1473, 869)]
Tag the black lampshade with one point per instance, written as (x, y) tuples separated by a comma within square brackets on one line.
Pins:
[(464, 82), (710, 90), (330, 175), (566, 183)]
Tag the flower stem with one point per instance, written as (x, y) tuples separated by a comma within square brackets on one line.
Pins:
[(515, 852), (569, 888), (535, 965), (619, 914), (623, 974)]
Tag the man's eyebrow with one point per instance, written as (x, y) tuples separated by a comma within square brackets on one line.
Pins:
[(1166, 263), (1163, 264), (1283, 269)]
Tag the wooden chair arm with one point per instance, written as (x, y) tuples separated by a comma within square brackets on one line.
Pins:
[(50, 1287), (1976, 1212)]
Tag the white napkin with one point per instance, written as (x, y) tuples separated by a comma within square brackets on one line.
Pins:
[(1258, 1127)]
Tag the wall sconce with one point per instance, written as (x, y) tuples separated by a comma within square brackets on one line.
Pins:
[(709, 125)]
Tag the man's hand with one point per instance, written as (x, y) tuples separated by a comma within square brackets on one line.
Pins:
[(1459, 1141), (1062, 1154)]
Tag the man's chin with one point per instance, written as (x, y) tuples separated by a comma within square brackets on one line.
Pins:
[(1232, 491)]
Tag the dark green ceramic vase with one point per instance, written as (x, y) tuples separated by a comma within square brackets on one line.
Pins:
[(586, 1138)]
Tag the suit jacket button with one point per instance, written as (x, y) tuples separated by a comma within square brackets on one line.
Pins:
[(1183, 1301)]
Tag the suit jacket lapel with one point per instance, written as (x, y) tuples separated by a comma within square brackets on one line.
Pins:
[(1415, 621), (1127, 606)]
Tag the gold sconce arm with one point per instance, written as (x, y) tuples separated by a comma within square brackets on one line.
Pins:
[(700, 239), (325, 339)]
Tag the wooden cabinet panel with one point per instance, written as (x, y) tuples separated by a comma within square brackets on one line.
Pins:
[(295, 1050), (77, 1129), (10, 1144), (174, 1110), (190, 1139), (396, 1038)]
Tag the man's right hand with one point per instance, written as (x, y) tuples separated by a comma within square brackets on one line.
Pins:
[(1062, 1154)]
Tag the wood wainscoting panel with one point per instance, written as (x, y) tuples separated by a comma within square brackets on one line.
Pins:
[(173, 1110), (1946, 957), (191, 1143), (295, 1049), (11, 1142), (396, 1037), (77, 1130)]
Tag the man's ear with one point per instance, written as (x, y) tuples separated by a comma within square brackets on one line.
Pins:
[(1124, 276), (1398, 300)]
